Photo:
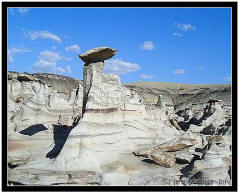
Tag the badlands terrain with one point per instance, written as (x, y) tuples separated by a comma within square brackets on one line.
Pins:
[(97, 131)]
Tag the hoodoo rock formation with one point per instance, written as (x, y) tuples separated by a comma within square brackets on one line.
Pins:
[(104, 133), (97, 55), (103, 93)]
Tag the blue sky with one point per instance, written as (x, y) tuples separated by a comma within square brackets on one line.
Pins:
[(183, 45)]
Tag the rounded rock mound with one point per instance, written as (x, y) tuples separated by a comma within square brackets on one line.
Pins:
[(98, 54)]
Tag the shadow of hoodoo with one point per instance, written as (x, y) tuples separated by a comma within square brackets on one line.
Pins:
[(33, 129), (61, 134)]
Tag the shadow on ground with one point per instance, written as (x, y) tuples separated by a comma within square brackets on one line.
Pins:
[(33, 129), (61, 134)]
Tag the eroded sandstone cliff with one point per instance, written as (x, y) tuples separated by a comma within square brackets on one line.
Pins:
[(62, 131)]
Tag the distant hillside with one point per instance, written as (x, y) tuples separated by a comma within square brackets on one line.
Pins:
[(177, 94)]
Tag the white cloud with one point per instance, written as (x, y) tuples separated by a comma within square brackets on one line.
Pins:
[(118, 66), (200, 67), (177, 34), (179, 71), (43, 34), (23, 11), (184, 26), (72, 48), (12, 51), (147, 76), (49, 56), (47, 62), (147, 45)]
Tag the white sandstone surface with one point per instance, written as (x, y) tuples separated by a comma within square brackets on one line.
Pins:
[(103, 133)]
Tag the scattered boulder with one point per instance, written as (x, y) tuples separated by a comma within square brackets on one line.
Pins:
[(164, 154), (176, 145), (162, 158), (143, 153), (184, 157)]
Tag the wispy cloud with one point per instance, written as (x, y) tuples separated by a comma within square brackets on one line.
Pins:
[(23, 11), (72, 48), (118, 66), (147, 76), (179, 71), (47, 62), (147, 45), (33, 35), (12, 51), (185, 26), (177, 34)]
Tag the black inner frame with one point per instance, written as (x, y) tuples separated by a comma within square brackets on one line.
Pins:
[(227, 4)]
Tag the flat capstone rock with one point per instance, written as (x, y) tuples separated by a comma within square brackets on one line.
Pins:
[(98, 54)]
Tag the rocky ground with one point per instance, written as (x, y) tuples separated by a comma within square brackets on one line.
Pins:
[(63, 131)]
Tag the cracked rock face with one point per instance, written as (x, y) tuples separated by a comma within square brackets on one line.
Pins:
[(99, 132)]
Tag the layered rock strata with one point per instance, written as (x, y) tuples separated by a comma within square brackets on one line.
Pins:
[(37, 111), (102, 133)]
